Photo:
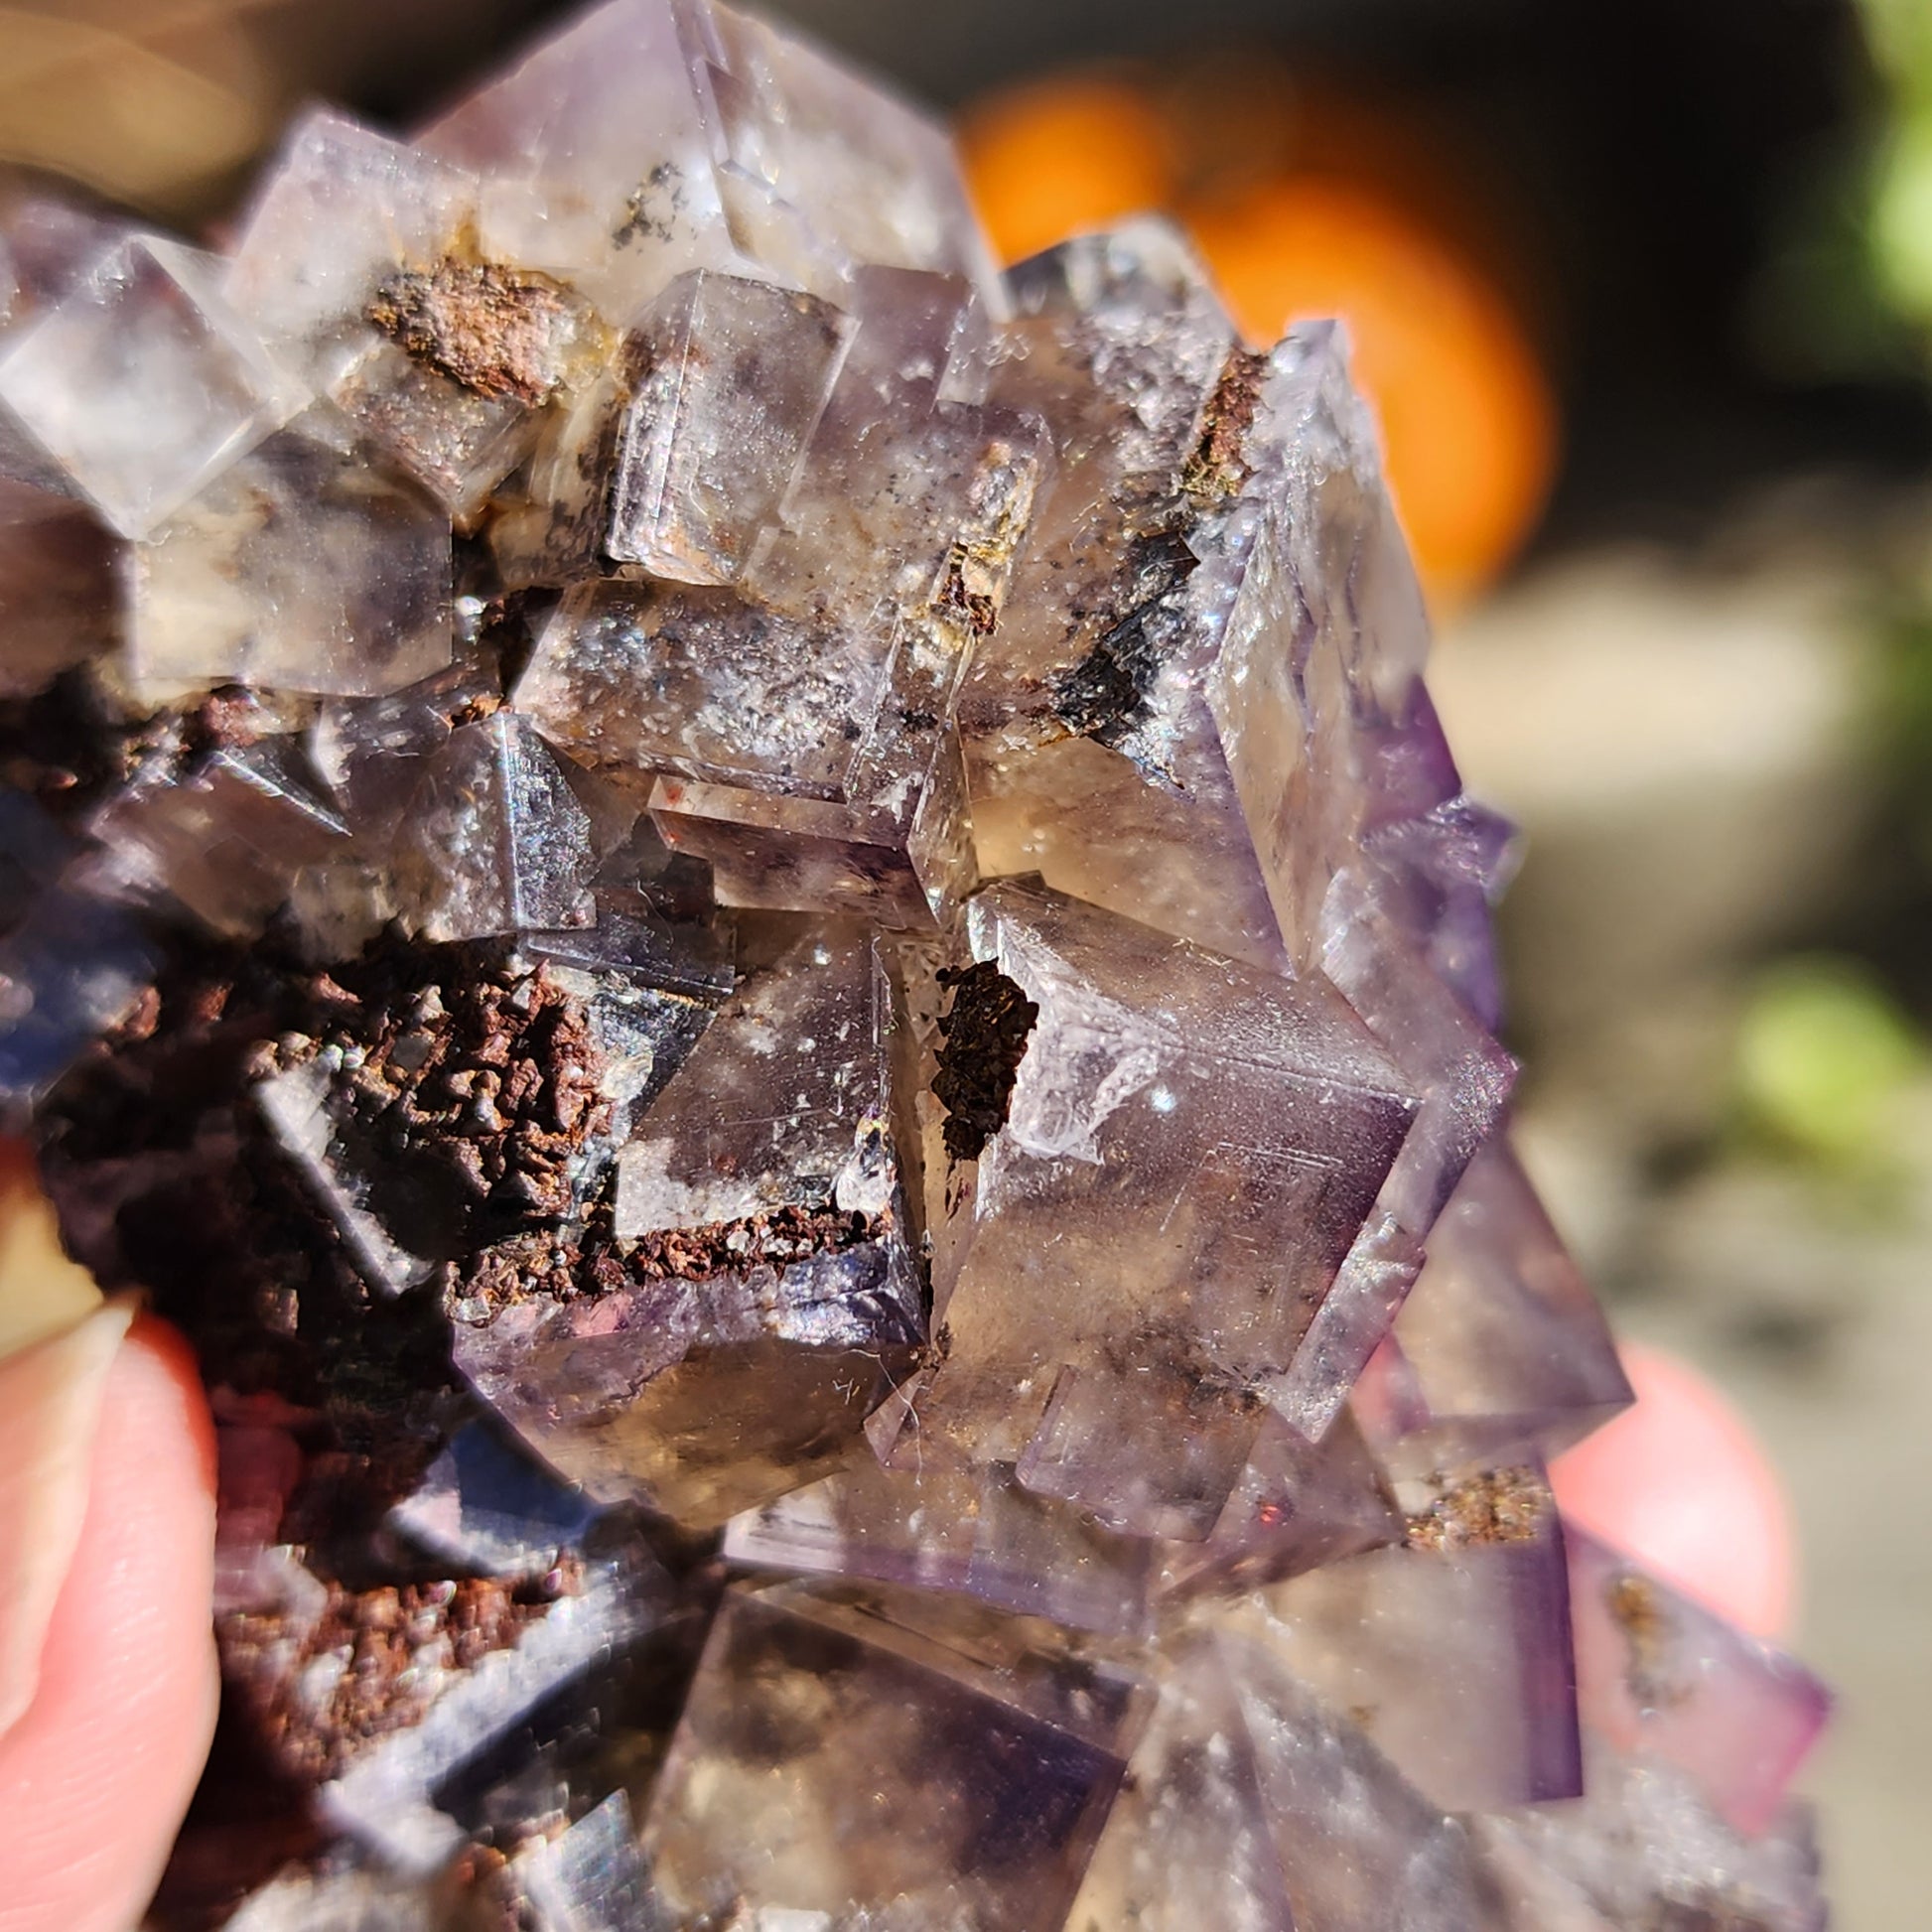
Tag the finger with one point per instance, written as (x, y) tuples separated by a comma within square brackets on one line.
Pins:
[(50, 1397), (96, 1776), (1680, 1482), (42, 1291)]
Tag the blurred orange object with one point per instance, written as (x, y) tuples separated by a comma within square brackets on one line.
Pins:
[(1310, 199), (1468, 420), (1062, 155)]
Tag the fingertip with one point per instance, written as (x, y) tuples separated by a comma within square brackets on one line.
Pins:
[(1682, 1483), (96, 1776), (158, 1384)]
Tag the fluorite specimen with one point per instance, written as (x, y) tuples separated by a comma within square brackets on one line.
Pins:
[(771, 941)]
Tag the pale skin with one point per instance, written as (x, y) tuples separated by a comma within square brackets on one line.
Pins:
[(95, 1775)]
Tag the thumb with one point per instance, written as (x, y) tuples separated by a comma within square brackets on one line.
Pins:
[(107, 1678), (50, 1396)]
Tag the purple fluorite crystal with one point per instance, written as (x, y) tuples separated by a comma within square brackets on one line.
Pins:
[(773, 943)]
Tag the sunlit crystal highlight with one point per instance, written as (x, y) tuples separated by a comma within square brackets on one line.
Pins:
[(769, 939)]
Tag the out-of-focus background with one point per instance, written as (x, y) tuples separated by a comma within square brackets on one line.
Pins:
[(1642, 290)]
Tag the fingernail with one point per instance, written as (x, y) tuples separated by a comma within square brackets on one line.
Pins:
[(50, 1406), (42, 1291)]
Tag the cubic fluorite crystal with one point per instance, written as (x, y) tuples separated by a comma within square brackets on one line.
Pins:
[(771, 941)]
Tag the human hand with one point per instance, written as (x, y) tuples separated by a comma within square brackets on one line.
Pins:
[(108, 1667)]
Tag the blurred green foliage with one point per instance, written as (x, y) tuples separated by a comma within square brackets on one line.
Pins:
[(1825, 1061), (1845, 292), (1901, 215), (1902, 721)]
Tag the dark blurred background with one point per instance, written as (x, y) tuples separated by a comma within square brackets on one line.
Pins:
[(1643, 293)]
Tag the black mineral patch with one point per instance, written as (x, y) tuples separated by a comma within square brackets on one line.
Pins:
[(985, 1035), (1107, 693)]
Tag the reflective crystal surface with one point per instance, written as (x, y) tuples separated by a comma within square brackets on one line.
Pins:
[(227, 842), (720, 1338), (303, 567), (70, 968), (1003, 1761), (1665, 1680), (799, 724), (740, 374), (384, 206), (1093, 760), (441, 353), (1252, 1803), (770, 942), (495, 840), (1488, 1718), (141, 383), (965, 1528), (1129, 1251), (1500, 1348)]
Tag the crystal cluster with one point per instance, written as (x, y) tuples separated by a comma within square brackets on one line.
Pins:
[(769, 939)]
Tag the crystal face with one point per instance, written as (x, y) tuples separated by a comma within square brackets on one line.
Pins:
[(303, 566), (771, 941), (142, 384)]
